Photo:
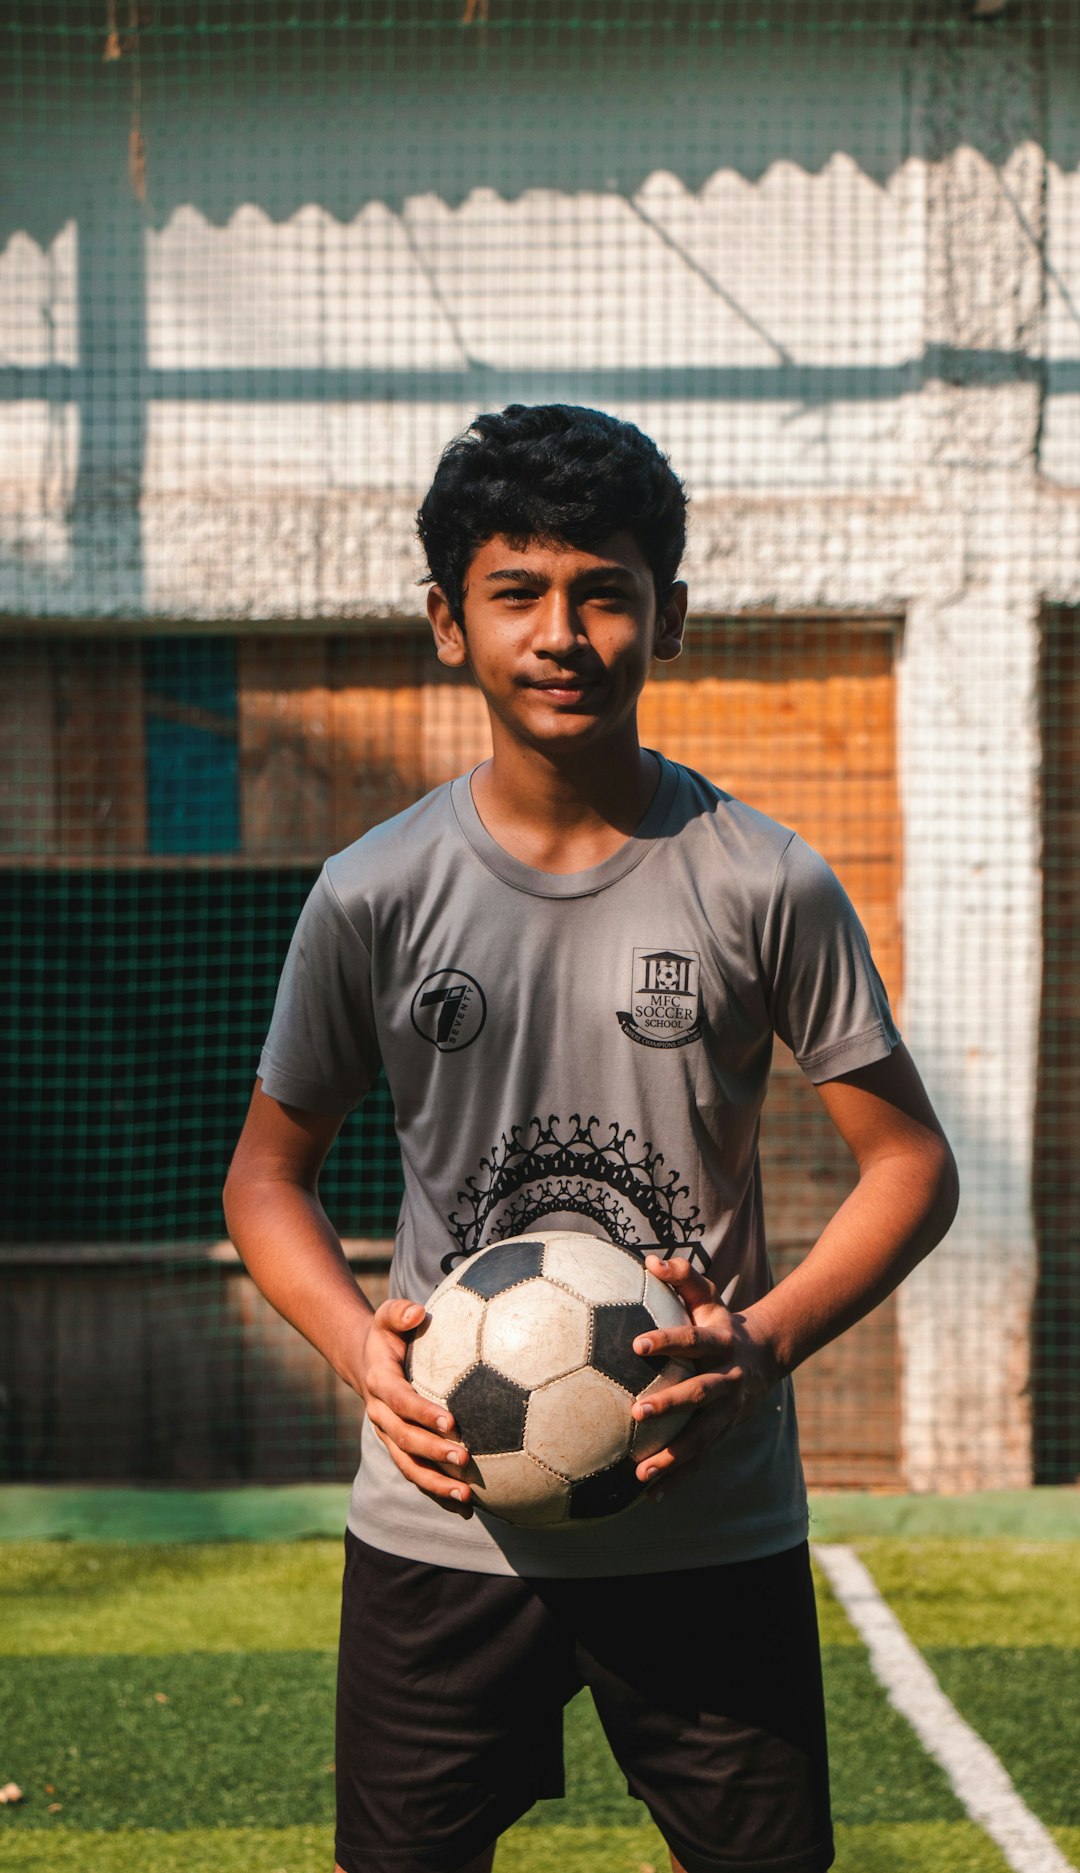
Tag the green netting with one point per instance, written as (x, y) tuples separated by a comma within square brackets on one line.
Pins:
[(133, 992), (258, 262)]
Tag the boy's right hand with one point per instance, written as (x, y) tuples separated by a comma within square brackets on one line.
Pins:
[(419, 1435)]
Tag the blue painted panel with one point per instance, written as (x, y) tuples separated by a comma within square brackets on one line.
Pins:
[(192, 755)]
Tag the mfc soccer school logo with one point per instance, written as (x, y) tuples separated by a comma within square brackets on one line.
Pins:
[(663, 1009), (449, 1009)]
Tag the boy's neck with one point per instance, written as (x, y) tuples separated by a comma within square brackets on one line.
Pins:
[(567, 814)]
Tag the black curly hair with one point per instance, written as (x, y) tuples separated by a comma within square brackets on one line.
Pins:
[(550, 471)]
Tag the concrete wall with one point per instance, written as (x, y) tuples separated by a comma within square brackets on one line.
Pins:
[(836, 273)]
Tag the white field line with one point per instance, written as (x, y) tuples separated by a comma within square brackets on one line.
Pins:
[(970, 1764)]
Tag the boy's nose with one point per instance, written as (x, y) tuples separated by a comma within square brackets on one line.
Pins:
[(557, 625)]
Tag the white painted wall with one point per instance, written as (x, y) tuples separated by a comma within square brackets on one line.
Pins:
[(811, 277)]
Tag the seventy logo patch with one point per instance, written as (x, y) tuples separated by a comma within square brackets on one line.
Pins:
[(663, 1009), (449, 1009)]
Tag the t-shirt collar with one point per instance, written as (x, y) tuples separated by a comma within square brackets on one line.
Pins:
[(565, 884)]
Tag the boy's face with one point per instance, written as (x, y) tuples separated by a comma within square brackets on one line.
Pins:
[(559, 639)]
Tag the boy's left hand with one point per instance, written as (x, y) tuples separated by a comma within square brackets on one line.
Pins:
[(734, 1367)]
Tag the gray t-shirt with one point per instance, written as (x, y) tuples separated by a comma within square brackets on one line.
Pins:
[(583, 1051)]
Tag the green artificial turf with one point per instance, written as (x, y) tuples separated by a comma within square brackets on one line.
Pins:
[(926, 1847), (1026, 1704), (72, 1598), (879, 1771), (169, 1708), (304, 1850), (1007, 1593), (917, 1847), (999, 1624), (196, 1740), (228, 1739), (200, 1850)]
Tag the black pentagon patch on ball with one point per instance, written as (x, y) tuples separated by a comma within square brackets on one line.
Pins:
[(499, 1268), (616, 1326), (489, 1411), (613, 1489)]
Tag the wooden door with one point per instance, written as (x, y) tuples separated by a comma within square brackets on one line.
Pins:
[(797, 717)]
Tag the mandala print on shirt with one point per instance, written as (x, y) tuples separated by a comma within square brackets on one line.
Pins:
[(577, 1168)]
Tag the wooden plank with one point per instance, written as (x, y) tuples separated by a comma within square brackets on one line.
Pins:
[(290, 1430), (363, 1252), (807, 1169), (27, 1377), (848, 1395), (300, 1419), (803, 728), (195, 1377), (801, 725), (124, 1373), (284, 722), (764, 729), (102, 1424), (100, 748), (786, 650), (848, 1401), (337, 735), (455, 728), (377, 739), (27, 753)]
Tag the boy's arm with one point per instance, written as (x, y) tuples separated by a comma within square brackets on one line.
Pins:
[(901, 1206), (295, 1258)]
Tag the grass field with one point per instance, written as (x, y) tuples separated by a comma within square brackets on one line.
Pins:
[(169, 1708)]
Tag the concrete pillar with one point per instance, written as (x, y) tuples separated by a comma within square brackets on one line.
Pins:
[(969, 743)]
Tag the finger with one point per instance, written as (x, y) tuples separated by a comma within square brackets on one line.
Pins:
[(385, 1375), (399, 1317), (692, 1288), (700, 1389), (450, 1492), (711, 1336), (386, 1380), (424, 1446), (684, 1450)]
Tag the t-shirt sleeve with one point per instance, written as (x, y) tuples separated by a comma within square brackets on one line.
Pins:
[(322, 1052), (826, 999)]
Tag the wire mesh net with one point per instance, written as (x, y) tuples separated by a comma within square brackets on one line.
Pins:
[(258, 263)]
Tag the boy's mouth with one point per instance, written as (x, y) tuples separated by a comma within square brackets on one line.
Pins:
[(558, 687)]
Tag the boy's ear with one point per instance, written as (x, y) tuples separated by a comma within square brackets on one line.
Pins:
[(670, 623), (448, 634)]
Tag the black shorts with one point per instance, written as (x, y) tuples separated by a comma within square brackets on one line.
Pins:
[(707, 1681)]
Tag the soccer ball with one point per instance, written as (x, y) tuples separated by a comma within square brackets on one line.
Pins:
[(530, 1344)]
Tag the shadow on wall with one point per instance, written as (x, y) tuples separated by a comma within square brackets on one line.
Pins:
[(407, 119), (294, 109)]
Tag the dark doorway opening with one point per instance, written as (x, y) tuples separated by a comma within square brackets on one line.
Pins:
[(1056, 1167)]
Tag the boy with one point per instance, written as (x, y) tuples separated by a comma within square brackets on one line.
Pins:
[(571, 964)]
